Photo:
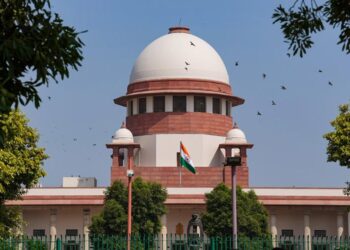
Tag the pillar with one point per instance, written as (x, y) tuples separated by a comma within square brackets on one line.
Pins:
[(340, 226), (307, 232), (115, 157), (273, 229), (163, 232), (53, 230), (86, 224)]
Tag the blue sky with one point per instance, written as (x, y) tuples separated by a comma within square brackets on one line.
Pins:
[(289, 149)]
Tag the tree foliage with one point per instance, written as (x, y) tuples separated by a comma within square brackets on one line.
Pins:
[(20, 166), (251, 214), (305, 18), (147, 206), (10, 221), (33, 41), (20, 158), (338, 149)]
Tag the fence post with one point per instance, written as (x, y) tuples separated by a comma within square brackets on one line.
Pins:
[(58, 244)]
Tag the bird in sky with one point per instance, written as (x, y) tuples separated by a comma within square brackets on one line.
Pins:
[(283, 87), (320, 71), (187, 63), (192, 44), (94, 144), (273, 102), (75, 139), (264, 75), (49, 97), (236, 63), (186, 68), (288, 54), (330, 83), (258, 113)]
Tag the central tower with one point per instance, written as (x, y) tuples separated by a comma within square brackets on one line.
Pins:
[(179, 91)]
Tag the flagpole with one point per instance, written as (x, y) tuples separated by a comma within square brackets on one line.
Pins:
[(180, 174)]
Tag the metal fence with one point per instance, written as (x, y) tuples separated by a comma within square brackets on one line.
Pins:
[(173, 242)]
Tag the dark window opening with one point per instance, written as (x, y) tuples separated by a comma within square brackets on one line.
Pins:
[(159, 104), (39, 232), (71, 232), (228, 108), (179, 103), (216, 106), (142, 105), (131, 108), (199, 104), (287, 233), (320, 233)]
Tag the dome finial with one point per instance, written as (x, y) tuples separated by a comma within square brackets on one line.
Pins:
[(123, 125), (235, 125)]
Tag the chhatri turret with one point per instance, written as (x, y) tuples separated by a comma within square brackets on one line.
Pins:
[(179, 90)]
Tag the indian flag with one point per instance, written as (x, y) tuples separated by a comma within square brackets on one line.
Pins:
[(185, 159)]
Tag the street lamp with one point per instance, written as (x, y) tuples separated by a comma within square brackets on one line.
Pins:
[(236, 143), (123, 139)]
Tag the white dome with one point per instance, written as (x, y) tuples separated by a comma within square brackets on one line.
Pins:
[(179, 55), (123, 136), (235, 135)]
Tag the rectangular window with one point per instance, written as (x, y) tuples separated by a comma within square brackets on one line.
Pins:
[(142, 105), (216, 106), (159, 104), (130, 108), (228, 108), (199, 104), (39, 232), (287, 233), (179, 103), (320, 233), (71, 232)]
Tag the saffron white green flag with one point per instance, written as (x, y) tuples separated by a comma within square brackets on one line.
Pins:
[(185, 159)]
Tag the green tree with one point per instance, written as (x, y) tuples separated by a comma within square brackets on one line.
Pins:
[(20, 164), (338, 149), (305, 18), (251, 214), (147, 208), (33, 42)]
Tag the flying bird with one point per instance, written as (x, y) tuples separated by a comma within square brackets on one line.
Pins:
[(258, 113), (187, 63), (288, 54), (264, 75), (49, 97), (236, 63), (320, 71), (186, 68), (94, 144), (273, 103), (192, 44), (330, 83), (75, 139), (283, 87)]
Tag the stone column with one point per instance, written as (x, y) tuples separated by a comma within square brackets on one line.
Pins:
[(307, 232), (340, 226), (273, 229), (163, 232), (53, 230), (86, 224)]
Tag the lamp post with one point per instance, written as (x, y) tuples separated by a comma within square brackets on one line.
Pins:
[(233, 162), (123, 139)]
